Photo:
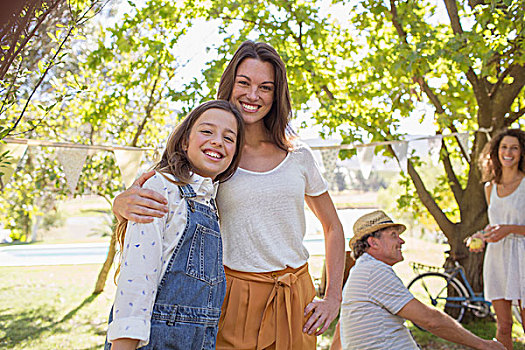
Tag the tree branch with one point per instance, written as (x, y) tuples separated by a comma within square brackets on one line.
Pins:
[(464, 152), (453, 181), (474, 3), (513, 116), (496, 86), (452, 10), (430, 94), (426, 198), (149, 107), (40, 80), (28, 37), (395, 21), (419, 79), (455, 23)]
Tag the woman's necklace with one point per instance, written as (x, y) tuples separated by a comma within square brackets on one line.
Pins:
[(515, 179)]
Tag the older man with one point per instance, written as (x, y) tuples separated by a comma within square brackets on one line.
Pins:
[(375, 301)]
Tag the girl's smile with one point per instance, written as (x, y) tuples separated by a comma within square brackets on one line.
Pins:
[(212, 141)]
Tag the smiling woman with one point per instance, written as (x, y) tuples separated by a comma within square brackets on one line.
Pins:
[(253, 89), (503, 166)]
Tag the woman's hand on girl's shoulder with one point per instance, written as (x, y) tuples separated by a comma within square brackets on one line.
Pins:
[(138, 204)]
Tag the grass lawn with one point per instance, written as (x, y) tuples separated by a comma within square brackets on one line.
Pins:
[(51, 307)]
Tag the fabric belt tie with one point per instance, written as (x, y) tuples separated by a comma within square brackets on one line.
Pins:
[(276, 326)]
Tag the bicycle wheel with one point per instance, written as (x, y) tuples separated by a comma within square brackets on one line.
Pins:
[(438, 290)]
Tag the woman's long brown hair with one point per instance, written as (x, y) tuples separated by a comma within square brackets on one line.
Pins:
[(175, 160), (278, 118), (489, 163)]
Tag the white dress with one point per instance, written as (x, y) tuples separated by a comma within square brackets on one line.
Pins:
[(504, 265)]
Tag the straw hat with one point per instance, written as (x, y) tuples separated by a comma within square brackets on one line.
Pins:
[(372, 222)]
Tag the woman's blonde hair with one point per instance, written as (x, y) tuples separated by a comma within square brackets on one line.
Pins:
[(175, 160)]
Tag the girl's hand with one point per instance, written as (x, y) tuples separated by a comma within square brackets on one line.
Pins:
[(496, 232), (476, 242), (138, 204), (124, 344), (324, 311)]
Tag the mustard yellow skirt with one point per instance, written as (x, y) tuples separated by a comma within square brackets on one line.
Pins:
[(266, 310)]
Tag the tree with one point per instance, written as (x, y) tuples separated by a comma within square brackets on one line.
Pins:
[(33, 39), (471, 70), (119, 91), (37, 38), (468, 66), (133, 97)]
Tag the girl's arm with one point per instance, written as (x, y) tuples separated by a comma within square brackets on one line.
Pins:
[(140, 269), (141, 266), (325, 311), (138, 204), (124, 344)]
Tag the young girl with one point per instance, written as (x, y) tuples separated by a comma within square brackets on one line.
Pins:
[(172, 284)]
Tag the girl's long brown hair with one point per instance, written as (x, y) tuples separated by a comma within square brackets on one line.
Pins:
[(175, 160)]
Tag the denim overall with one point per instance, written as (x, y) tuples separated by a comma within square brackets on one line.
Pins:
[(190, 295)]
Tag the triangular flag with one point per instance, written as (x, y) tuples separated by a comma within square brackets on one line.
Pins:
[(72, 160), (400, 149), (128, 163), (330, 157), (463, 141), (418, 148), (8, 166), (365, 155), (434, 148)]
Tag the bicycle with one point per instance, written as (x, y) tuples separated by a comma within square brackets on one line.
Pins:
[(449, 289)]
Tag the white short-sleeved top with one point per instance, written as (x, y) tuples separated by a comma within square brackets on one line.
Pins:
[(262, 213), (372, 297), (147, 251)]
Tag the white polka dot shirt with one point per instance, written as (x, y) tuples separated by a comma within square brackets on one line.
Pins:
[(147, 251)]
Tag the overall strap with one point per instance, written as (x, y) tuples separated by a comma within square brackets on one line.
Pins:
[(187, 191), (214, 206)]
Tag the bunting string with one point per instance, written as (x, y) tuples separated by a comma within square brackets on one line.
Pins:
[(129, 158), (72, 157), (44, 143), (385, 143)]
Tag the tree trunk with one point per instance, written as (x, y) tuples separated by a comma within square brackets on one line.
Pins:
[(34, 229), (103, 274), (474, 218)]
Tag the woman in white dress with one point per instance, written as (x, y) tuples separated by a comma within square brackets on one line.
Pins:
[(503, 167)]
